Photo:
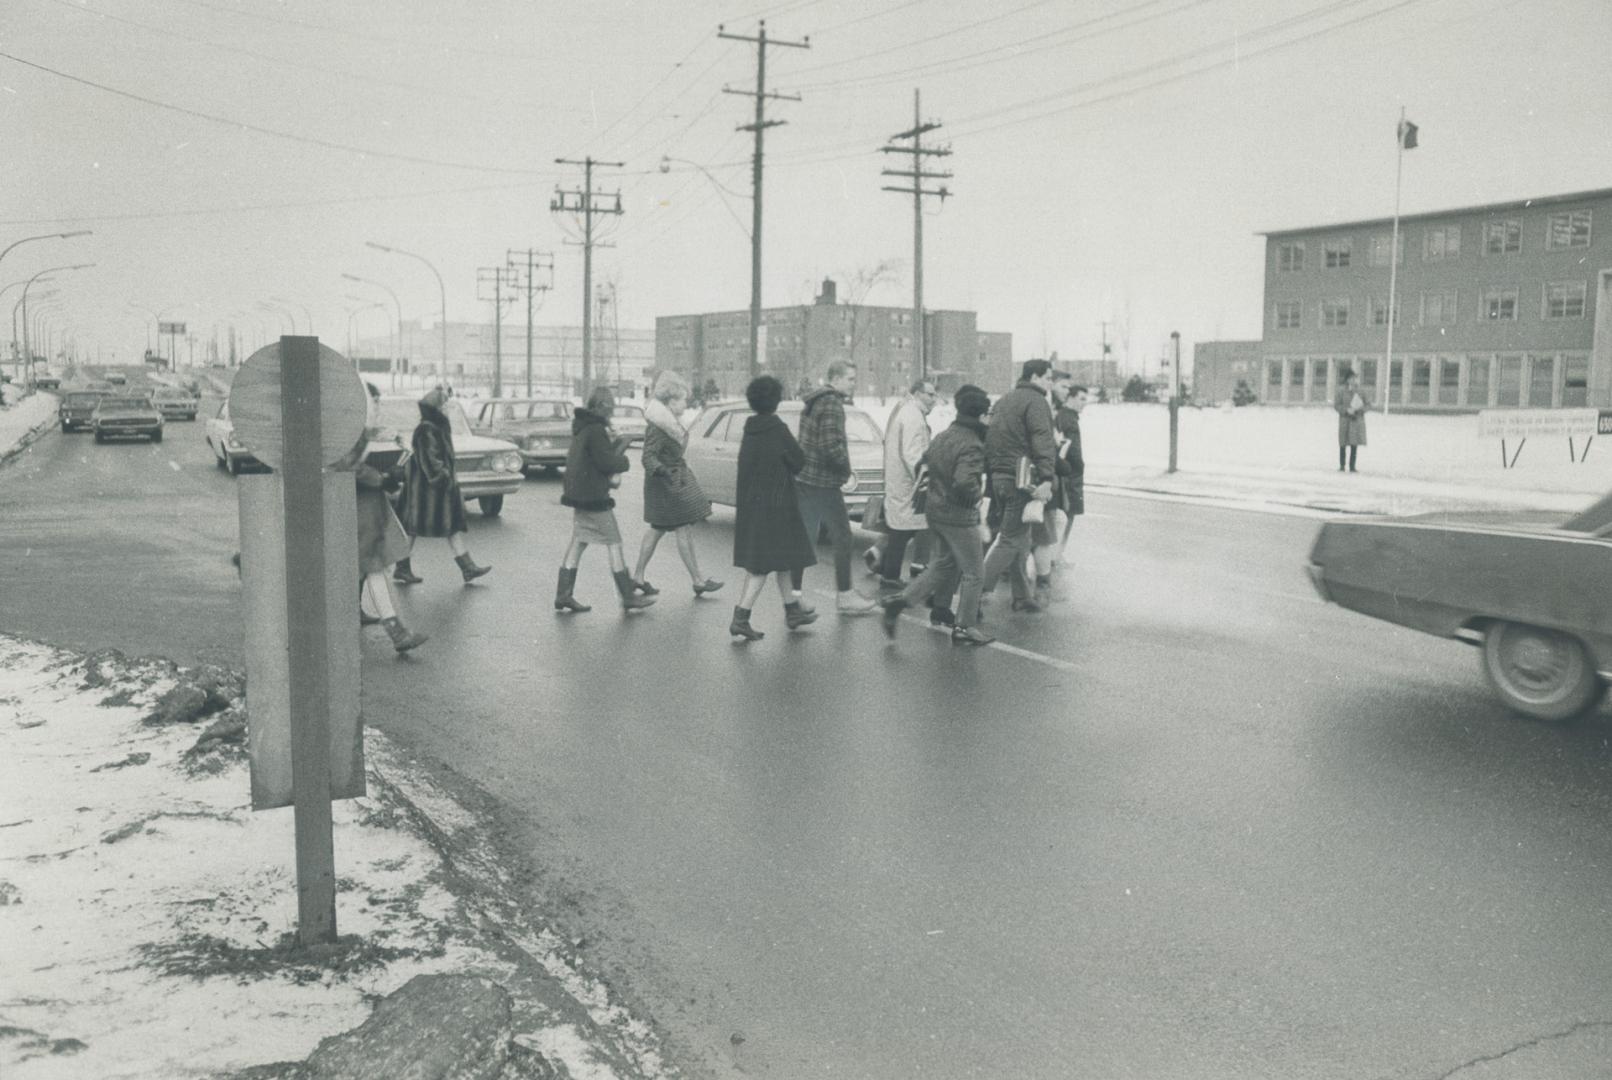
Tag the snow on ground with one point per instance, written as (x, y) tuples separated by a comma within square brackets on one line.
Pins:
[(18, 418)]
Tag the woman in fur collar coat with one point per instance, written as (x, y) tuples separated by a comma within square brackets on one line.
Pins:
[(673, 500)]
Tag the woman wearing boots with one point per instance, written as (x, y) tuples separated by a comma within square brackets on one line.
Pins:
[(432, 505), (769, 536), (673, 500), (593, 466)]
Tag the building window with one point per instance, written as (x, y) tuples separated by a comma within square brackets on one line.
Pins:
[(1564, 300), (1336, 253), (1541, 380), (1441, 243), (1508, 380), (1379, 311), (1289, 258), (1477, 380), (1318, 375), (1568, 230), (1335, 312), (1368, 371), (1295, 377), (1449, 381), (1421, 380), (1287, 315), (1379, 249), (1273, 375), (1502, 237), (1438, 308), (1498, 305)]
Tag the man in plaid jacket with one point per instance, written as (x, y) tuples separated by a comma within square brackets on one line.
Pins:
[(828, 466)]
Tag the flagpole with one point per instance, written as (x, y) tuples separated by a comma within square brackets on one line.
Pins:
[(1393, 265)]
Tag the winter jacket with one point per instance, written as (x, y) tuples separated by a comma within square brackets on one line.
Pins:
[(905, 441), (672, 496), (594, 457), (768, 531), (432, 504), (957, 473), (1351, 424), (1021, 425), (1074, 459), (822, 439)]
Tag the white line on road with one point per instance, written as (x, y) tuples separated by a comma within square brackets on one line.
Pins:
[(999, 646)]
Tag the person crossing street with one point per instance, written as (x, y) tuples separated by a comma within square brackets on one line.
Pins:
[(827, 466)]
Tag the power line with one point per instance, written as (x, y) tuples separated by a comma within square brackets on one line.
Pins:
[(913, 44), (291, 136), (704, 40)]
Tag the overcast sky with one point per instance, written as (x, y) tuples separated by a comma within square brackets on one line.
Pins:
[(1113, 158)]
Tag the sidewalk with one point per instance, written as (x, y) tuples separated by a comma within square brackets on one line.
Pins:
[(23, 422)]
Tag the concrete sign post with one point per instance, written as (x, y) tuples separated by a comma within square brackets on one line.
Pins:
[(300, 408)]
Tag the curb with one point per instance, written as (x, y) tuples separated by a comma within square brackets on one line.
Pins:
[(29, 437)]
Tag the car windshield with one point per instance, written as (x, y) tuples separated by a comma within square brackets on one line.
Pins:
[(124, 403), (83, 399), (171, 395), (402, 415), (529, 410)]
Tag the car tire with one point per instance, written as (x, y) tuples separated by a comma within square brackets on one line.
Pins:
[(232, 466), (491, 505), (551, 471), (66, 427), (99, 437), (1540, 673), (157, 437)]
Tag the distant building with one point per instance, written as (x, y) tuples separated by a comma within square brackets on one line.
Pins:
[(619, 355), (1218, 366), (1499, 305), (1092, 374), (798, 343)]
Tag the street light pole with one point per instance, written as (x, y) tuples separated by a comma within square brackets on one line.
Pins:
[(28, 344), (441, 290), (45, 236), (398, 337)]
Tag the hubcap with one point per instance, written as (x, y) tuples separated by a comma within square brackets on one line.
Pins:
[(1539, 663)]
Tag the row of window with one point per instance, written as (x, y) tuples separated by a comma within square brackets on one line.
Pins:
[(1568, 229), (1478, 380), (1439, 307)]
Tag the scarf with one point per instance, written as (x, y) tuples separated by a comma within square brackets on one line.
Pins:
[(656, 412)]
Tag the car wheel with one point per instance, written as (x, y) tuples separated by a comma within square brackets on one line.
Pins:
[(491, 505), (66, 427), (99, 437), (232, 466), (1544, 674), (551, 471), (157, 437)]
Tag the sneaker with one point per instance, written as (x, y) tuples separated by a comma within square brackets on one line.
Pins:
[(971, 635), (852, 602)]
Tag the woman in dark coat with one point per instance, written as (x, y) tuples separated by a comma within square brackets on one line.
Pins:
[(432, 505), (769, 536), (673, 499), (381, 539), (593, 467), (1351, 406)]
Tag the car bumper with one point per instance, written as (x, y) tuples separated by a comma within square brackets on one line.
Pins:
[(116, 431), (542, 459), (479, 484), (178, 414)]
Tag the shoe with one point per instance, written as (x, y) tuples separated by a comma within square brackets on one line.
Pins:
[(942, 616), (805, 607), (563, 600), (646, 588), (971, 635), (630, 601), (708, 585), (740, 626), (468, 567), (404, 574), (892, 616), (403, 639), (1026, 605), (870, 559), (852, 602), (796, 616)]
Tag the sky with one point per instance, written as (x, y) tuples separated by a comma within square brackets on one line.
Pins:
[(1112, 160)]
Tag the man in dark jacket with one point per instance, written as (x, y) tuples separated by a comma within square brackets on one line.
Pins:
[(956, 460), (828, 465), (1021, 426)]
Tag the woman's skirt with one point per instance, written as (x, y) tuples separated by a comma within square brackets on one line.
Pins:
[(596, 527)]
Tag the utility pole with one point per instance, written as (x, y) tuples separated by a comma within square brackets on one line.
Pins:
[(585, 206), (759, 126), (918, 175), (534, 263), (497, 279), (1102, 359)]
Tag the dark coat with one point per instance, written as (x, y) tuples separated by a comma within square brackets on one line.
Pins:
[(768, 533), (381, 539), (956, 474), (595, 456), (1351, 425), (1021, 426), (432, 505), (1074, 460), (672, 496)]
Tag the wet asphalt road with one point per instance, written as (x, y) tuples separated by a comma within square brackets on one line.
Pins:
[(1202, 826)]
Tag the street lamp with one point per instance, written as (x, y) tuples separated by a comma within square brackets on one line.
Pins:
[(45, 236), (387, 315), (666, 167), (440, 289), (398, 337), (352, 312), (27, 345), (279, 312), (292, 303)]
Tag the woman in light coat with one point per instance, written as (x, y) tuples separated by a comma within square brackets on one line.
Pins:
[(1351, 408), (673, 500), (905, 441)]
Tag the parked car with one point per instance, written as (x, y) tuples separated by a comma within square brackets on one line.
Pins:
[(174, 403), (229, 454), (539, 427), (713, 451), (126, 416), (488, 468), (76, 408), (46, 381), (629, 420), (117, 378), (1535, 597)]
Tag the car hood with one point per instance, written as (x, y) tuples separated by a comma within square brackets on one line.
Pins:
[(479, 444)]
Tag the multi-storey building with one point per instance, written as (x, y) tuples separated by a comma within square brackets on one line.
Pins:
[(620, 356), (1499, 305), (1218, 366), (798, 343)]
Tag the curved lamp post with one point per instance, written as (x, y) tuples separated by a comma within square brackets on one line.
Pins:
[(295, 304), (27, 345), (44, 236), (363, 306), (441, 290), (398, 304), (666, 164)]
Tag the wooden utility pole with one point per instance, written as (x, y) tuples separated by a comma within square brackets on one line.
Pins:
[(758, 126), (496, 278), (534, 262), (918, 175), (584, 205)]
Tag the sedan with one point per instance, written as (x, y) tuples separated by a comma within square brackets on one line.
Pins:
[(488, 468), (126, 417), (1535, 597), (713, 451), (629, 422), (230, 454), (76, 408), (539, 427), (174, 403)]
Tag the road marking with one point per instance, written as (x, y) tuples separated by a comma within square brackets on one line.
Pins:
[(1215, 502), (999, 646), (174, 465)]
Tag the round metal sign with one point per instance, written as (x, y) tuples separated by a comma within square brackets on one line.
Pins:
[(254, 406)]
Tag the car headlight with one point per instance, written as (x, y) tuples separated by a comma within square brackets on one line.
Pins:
[(850, 485), (507, 462), (536, 442)]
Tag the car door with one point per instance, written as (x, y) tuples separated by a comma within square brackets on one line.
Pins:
[(714, 460)]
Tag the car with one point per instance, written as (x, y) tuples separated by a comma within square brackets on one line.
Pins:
[(126, 416), (76, 408), (713, 451), (47, 381), (539, 427), (117, 378), (229, 454), (628, 420), (488, 468), (1534, 596), (174, 403)]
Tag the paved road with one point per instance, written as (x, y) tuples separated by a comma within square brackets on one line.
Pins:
[(1201, 826)]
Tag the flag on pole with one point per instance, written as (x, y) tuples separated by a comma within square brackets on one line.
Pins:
[(1407, 135)]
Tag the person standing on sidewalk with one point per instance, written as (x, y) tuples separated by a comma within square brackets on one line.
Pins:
[(905, 441), (1020, 427), (673, 500), (769, 536), (593, 466), (432, 504), (827, 466), (1351, 407), (956, 483)]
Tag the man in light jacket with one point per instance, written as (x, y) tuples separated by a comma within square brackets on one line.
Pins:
[(905, 441)]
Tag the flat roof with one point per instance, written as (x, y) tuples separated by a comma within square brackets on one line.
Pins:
[(1486, 208)]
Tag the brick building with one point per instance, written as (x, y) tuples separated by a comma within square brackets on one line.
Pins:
[(1499, 305)]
